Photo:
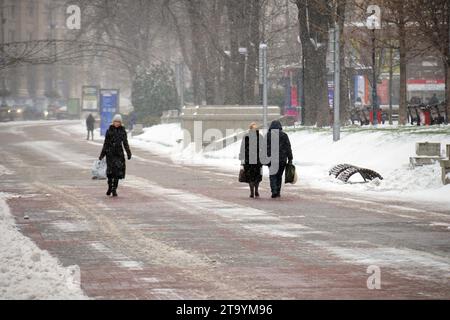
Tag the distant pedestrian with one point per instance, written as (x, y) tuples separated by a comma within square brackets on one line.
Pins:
[(132, 120), (90, 124), (277, 161), (115, 141), (249, 157), (433, 100)]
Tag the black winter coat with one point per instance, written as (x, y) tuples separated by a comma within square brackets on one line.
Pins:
[(90, 121), (285, 150), (252, 164), (113, 150)]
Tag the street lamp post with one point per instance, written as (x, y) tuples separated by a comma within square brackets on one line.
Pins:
[(263, 79), (244, 52), (337, 92), (374, 22)]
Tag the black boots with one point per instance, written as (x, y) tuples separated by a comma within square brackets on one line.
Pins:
[(254, 190), (112, 187)]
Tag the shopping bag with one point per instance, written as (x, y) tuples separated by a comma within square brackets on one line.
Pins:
[(242, 175), (290, 175), (99, 169)]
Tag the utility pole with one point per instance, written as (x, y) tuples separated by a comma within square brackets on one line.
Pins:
[(448, 66), (374, 81), (303, 100), (244, 53), (263, 79), (2, 39), (374, 22), (337, 79)]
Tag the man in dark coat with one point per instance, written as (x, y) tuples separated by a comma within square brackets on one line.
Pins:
[(433, 100), (277, 164), (115, 141), (90, 122), (249, 157)]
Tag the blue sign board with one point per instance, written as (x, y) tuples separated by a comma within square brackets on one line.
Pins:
[(109, 106), (330, 94)]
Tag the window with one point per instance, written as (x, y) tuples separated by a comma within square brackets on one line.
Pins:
[(11, 36), (30, 8), (13, 10)]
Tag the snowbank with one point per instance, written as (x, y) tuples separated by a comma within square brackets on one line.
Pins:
[(27, 272), (385, 150)]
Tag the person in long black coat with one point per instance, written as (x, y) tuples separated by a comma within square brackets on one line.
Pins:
[(250, 159), (115, 141), (90, 123), (284, 155)]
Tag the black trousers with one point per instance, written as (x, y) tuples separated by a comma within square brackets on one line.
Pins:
[(90, 132), (277, 179)]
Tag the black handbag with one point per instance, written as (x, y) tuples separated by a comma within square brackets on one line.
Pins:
[(290, 176), (242, 176)]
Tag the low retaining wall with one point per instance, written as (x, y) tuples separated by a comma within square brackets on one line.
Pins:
[(206, 124)]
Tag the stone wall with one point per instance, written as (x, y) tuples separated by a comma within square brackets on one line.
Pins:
[(222, 121)]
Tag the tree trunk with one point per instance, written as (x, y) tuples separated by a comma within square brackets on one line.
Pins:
[(314, 42), (253, 51), (447, 69), (344, 113), (234, 95), (204, 67)]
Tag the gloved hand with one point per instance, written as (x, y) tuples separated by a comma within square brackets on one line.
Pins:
[(290, 162), (129, 156), (100, 158)]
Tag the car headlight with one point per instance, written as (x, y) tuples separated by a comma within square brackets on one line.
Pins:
[(9, 111), (45, 113), (19, 111)]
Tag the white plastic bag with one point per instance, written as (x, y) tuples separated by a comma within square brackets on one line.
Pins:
[(99, 169)]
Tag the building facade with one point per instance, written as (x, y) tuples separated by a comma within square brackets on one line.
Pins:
[(33, 85)]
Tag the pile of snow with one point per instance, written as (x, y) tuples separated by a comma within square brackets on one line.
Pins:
[(27, 272), (162, 139), (4, 171), (386, 150)]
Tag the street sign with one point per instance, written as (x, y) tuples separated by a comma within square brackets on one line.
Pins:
[(109, 106), (89, 98)]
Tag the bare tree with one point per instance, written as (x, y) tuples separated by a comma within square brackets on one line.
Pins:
[(433, 22), (314, 18)]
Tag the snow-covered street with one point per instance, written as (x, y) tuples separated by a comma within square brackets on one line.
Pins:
[(184, 228)]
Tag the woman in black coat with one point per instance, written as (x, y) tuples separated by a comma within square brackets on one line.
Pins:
[(249, 157), (115, 138)]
